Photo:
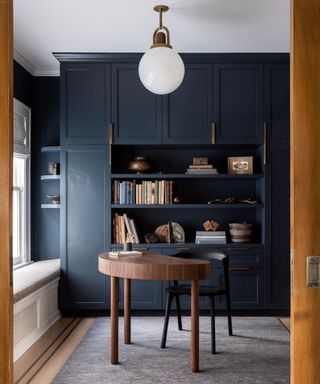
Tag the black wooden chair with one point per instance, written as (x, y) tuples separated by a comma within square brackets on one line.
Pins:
[(176, 290)]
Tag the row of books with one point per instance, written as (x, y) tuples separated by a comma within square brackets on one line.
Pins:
[(124, 229), (216, 237), (146, 192)]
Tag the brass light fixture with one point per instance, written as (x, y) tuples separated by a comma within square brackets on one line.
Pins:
[(161, 69)]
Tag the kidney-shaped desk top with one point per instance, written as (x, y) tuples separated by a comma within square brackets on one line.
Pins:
[(152, 266)]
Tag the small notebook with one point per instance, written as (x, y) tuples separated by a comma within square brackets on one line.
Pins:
[(119, 254)]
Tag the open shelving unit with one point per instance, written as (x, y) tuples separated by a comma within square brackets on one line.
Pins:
[(170, 163), (53, 152)]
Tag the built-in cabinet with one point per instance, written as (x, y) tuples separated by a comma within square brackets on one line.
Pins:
[(85, 103), (227, 105), (84, 225)]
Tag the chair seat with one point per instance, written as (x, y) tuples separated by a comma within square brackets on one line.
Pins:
[(204, 290)]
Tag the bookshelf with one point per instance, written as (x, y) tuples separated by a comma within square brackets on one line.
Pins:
[(169, 165)]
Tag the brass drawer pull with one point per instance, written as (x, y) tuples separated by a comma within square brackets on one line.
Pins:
[(110, 142), (213, 133), (265, 127)]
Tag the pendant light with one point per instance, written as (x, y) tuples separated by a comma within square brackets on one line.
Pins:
[(161, 69)]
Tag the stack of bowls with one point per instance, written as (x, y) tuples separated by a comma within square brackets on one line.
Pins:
[(240, 232)]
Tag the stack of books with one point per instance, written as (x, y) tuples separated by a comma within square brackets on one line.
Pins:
[(146, 192), (122, 226), (216, 237), (200, 165)]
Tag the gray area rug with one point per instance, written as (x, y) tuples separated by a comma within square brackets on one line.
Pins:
[(257, 353)]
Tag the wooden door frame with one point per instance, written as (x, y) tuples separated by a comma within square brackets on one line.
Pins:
[(305, 188), (305, 205), (6, 143)]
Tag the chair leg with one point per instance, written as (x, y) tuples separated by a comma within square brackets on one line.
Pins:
[(166, 320), (229, 313), (178, 312), (213, 326)]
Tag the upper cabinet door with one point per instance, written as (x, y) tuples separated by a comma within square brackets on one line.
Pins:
[(85, 103), (238, 103), (277, 102), (136, 112), (187, 111)]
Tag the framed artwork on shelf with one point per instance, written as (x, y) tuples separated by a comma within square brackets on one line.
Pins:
[(240, 165)]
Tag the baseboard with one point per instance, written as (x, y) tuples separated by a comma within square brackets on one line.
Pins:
[(161, 312)]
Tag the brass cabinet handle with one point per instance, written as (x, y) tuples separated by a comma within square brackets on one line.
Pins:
[(110, 141), (213, 133), (240, 269), (265, 127)]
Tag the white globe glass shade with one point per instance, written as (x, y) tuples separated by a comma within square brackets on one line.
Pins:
[(161, 70)]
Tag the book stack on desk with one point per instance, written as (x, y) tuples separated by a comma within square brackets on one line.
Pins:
[(216, 237)]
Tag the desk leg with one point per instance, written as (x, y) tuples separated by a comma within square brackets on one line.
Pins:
[(114, 319), (195, 326), (127, 311)]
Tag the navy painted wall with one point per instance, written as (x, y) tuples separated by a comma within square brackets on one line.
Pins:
[(45, 227), (42, 95), (22, 85)]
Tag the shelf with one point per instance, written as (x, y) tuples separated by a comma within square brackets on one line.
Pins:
[(51, 206), (53, 148), (50, 177), (187, 206), (193, 245), (161, 176)]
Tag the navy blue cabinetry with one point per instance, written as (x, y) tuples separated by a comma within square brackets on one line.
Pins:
[(277, 102), (84, 225), (277, 119), (188, 110), (238, 103), (278, 226), (85, 103), (136, 112)]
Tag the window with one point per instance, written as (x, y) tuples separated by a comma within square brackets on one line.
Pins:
[(21, 185)]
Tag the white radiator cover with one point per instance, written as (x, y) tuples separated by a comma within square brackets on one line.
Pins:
[(34, 315)]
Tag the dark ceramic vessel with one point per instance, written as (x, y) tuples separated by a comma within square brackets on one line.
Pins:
[(140, 164)]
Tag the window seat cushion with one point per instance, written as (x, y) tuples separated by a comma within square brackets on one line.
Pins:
[(32, 277)]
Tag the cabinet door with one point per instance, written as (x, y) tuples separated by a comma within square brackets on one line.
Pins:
[(85, 103), (187, 111), (84, 226), (238, 101), (277, 102), (278, 227), (246, 287), (136, 112)]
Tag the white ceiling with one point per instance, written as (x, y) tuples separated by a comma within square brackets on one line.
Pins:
[(45, 26)]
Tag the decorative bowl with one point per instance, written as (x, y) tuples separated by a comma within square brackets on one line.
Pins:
[(140, 164)]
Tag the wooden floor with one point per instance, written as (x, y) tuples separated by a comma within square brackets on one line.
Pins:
[(286, 322), (41, 363)]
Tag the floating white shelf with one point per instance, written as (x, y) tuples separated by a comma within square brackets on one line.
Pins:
[(56, 206), (53, 148), (50, 177)]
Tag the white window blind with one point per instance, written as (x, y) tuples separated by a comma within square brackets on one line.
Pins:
[(21, 123), (21, 184)]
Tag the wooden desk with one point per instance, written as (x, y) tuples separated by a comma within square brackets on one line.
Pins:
[(152, 266)]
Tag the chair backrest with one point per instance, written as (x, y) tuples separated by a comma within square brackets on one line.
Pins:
[(207, 254)]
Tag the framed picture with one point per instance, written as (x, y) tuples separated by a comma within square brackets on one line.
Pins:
[(240, 165)]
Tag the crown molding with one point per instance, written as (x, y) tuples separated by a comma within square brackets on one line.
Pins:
[(45, 72), (24, 62)]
